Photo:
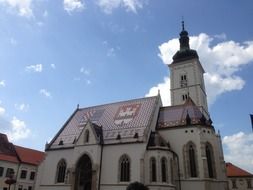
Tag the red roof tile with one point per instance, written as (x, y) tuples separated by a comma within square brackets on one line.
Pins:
[(234, 171), (9, 158), (29, 156)]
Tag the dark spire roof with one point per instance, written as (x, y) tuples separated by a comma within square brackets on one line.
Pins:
[(184, 52)]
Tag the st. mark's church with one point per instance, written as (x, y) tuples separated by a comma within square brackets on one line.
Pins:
[(106, 147)]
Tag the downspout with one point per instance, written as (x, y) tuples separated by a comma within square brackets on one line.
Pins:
[(101, 159), (178, 168), (17, 176)]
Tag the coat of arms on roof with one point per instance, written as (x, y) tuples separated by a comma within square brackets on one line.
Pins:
[(93, 115), (126, 113)]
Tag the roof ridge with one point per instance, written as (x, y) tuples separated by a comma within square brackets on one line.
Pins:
[(119, 102)]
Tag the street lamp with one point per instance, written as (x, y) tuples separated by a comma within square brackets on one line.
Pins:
[(10, 179)]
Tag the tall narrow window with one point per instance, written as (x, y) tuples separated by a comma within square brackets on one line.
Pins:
[(183, 81), (192, 160), (61, 170), (124, 168), (249, 185), (86, 136), (209, 159), (164, 169), (1, 171), (153, 169), (234, 186)]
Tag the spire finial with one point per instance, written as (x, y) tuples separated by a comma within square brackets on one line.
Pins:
[(182, 23)]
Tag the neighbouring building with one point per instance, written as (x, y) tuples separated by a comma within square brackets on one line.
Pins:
[(19, 162), (238, 178), (106, 147)]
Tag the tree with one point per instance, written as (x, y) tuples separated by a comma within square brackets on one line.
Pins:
[(136, 186)]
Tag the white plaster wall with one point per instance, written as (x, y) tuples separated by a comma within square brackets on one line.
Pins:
[(6, 165), (178, 137), (195, 83), (110, 165), (241, 183)]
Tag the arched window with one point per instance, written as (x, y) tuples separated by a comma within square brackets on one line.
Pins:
[(192, 159), (190, 156), (124, 166), (61, 170), (153, 169), (86, 136), (164, 169), (210, 160)]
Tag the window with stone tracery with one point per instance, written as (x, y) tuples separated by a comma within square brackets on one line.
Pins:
[(164, 169), (124, 167), (153, 169), (61, 170)]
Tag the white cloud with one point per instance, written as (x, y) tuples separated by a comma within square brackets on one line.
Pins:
[(34, 68), (18, 130), (52, 66), (13, 41), (85, 71), (2, 83), (22, 107), (111, 52), (237, 145), (23, 7), (131, 5), (45, 93), (73, 5), (2, 110), (163, 89), (220, 61)]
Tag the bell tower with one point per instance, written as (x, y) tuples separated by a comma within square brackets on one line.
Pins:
[(186, 73)]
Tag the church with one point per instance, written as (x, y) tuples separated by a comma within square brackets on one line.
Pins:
[(106, 147)]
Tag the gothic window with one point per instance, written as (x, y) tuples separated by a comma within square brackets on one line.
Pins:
[(234, 184), (164, 169), (61, 170), (183, 80), (210, 160), (124, 165), (86, 136), (190, 156), (153, 169)]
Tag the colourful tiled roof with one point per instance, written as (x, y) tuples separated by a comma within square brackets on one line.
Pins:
[(124, 118), (179, 115), (234, 171), (29, 156)]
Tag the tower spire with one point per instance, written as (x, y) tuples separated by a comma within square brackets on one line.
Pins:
[(182, 24), (184, 38)]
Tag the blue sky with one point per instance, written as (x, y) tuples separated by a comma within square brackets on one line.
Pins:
[(57, 54)]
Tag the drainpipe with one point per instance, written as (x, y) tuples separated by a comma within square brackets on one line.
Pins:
[(178, 168), (101, 159)]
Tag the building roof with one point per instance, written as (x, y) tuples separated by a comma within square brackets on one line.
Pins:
[(180, 115), (234, 171), (9, 158), (125, 118), (29, 156), (17, 154)]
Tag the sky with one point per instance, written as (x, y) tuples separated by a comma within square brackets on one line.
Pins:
[(57, 54)]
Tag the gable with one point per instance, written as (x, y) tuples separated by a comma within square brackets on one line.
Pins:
[(89, 135)]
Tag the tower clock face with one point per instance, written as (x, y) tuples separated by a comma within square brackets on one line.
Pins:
[(126, 113)]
